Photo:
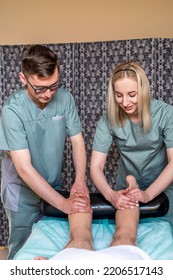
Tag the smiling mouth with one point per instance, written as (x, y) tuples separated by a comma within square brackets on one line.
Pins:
[(128, 108)]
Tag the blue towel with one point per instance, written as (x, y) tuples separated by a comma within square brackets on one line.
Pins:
[(50, 235)]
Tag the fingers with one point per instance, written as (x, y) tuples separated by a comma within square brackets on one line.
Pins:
[(82, 190), (80, 203), (86, 210), (125, 202), (80, 198), (135, 195), (128, 205), (79, 209), (134, 191), (79, 194)]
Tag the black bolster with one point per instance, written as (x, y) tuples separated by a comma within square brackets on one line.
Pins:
[(102, 209)]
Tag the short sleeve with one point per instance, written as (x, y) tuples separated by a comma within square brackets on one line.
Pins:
[(168, 127), (12, 132), (103, 136), (73, 123)]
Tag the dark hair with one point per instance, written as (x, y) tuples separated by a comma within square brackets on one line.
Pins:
[(38, 60)]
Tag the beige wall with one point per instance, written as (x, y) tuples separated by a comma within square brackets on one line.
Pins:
[(62, 21)]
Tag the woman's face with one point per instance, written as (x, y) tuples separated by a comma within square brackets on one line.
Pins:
[(126, 96)]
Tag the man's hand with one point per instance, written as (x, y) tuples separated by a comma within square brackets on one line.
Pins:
[(79, 187), (77, 202)]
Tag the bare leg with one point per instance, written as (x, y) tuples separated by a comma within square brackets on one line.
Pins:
[(80, 231), (126, 221)]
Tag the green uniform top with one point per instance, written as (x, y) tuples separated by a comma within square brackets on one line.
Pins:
[(141, 155), (25, 126)]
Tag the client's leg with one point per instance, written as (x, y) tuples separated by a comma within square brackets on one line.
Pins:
[(80, 231), (126, 222), (126, 227)]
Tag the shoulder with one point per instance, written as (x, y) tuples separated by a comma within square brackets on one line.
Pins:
[(63, 99), (161, 114), (14, 101), (104, 119), (104, 124), (63, 94), (159, 107), (159, 104)]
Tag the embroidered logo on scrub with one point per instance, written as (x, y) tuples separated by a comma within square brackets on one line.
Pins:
[(58, 117)]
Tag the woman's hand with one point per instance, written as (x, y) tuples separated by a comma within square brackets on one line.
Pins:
[(138, 195), (120, 200)]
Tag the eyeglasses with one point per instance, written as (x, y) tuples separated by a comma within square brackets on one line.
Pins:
[(41, 90)]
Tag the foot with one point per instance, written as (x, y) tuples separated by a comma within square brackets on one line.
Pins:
[(80, 244), (40, 258), (131, 182)]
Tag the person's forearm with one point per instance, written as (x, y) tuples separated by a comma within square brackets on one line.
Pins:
[(161, 183), (101, 183), (41, 187), (79, 160), (25, 169)]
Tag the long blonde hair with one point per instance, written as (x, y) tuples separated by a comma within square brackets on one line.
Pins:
[(116, 114)]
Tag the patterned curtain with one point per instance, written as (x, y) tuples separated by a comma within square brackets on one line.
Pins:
[(85, 69)]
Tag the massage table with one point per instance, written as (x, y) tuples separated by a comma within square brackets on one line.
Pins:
[(51, 233)]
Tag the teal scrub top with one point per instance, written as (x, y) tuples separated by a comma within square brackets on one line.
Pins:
[(25, 126), (141, 155)]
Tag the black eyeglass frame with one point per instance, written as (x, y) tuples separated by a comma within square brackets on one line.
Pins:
[(43, 89)]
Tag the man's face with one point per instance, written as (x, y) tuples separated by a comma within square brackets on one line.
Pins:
[(41, 89)]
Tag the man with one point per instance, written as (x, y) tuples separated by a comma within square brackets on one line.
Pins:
[(34, 123)]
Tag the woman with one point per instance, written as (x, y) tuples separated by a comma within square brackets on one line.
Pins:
[(142, 129)]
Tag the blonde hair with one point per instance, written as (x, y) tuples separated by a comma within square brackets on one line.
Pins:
[(116, 114)]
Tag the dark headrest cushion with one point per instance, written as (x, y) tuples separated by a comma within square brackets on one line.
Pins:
[(102, 209)]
